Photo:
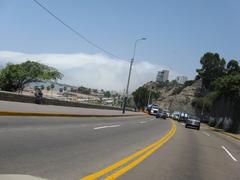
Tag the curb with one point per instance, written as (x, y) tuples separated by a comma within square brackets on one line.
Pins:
[(222, 131), (8, 113), (230, 135)]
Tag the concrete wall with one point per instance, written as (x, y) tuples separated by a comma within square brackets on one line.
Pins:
[(8, 96)]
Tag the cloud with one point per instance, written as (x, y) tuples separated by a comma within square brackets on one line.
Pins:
[(94, 71)]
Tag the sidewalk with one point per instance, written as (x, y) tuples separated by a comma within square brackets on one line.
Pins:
[(8, 108)]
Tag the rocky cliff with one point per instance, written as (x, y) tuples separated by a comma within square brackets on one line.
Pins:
[(176, 97)]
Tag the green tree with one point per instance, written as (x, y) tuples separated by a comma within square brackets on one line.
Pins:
[(107, 94), (229, 86), (15, 76), (155, 95), (140, 97), (213, 67), (233, 67), (84, 90)]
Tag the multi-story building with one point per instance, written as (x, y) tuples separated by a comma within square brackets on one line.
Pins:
[(162, 76), (181, 79)]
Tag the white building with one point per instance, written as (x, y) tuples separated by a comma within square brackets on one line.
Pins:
[(162, 76), (181, 79)]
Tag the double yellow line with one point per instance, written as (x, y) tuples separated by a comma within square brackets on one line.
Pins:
[(136, 158)]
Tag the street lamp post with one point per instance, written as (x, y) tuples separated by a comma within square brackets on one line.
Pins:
[(129, 74)]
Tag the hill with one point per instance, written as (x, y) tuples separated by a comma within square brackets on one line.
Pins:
[(176, 97)]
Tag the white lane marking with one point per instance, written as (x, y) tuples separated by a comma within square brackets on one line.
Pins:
[(151, 119), (19, 176), (142, 122), (233, 158), (206, 133), (102, 127), (183, 124)]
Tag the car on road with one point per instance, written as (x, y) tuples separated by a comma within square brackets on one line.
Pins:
[(193, 121), (161, 114), (175, 115), (183, 117), (167, 112), (153, 109)]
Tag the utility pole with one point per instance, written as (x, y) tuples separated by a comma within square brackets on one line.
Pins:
[(129, 74)]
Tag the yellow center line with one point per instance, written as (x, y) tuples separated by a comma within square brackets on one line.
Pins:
[(151, 148), (139, 160)]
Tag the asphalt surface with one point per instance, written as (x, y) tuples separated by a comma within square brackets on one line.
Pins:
[(71, 148)]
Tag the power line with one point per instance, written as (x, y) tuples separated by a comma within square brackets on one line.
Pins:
[(75, 31)]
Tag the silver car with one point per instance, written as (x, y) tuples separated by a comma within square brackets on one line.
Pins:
[(193, 121)]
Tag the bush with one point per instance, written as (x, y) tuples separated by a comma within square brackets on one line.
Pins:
[(179, 89), (207, 101), (212, 122)]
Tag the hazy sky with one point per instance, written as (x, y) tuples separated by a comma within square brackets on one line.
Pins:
[(178, 33)]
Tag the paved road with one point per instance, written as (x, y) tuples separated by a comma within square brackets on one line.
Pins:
[(71, 148)]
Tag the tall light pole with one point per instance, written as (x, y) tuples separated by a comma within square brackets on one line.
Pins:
[(129, 74)]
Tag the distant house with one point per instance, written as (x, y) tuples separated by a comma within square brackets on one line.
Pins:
[(181, 79)]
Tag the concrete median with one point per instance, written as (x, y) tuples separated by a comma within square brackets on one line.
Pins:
[(10, 113), (28, 109)]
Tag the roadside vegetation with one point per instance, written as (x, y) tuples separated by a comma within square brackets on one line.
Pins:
[(14, 77), (219, 80), (220, 93), (217, 101)]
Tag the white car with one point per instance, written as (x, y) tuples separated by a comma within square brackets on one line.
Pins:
[(154, 110), (193, 121)]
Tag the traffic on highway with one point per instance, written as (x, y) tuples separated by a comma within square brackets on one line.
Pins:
[(141, 147)]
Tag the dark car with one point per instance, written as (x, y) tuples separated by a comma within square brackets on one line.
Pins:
[(193, 121), (183, 117), (161, 114)]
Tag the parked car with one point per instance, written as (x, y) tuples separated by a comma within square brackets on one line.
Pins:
[(193, 121), (161, 114)]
